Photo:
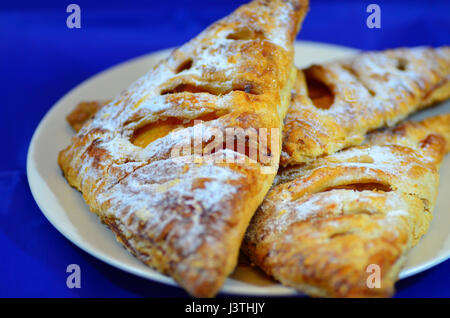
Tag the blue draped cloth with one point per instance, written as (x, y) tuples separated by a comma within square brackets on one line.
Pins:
[(41, 59)]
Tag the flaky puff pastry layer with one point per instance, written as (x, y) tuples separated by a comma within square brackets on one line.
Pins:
[(323, 224), (187, 217), (335, 104)]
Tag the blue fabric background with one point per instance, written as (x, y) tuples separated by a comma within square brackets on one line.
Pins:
[(41, 59)]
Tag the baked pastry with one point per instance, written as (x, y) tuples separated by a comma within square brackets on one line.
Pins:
[(83, 112), (324, 224), (335, 104), (185, 212)]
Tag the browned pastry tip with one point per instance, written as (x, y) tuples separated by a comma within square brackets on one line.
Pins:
[(83, 112), (421, 134)]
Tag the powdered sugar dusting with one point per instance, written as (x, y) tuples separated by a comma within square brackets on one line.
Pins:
[(181, 193), (371, 90), (407, 171), (184, 204)]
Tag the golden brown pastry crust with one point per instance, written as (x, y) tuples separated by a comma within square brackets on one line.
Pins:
[(323, 223), (335, 104), (187, 217), (83, 112)]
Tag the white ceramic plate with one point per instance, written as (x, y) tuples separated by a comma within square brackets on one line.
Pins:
[(65, 209)]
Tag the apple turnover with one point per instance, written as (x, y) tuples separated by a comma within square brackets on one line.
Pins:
[(187, 217), (325, 224), (335, 104)]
